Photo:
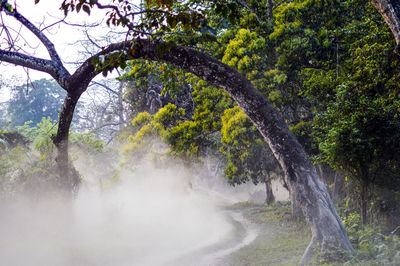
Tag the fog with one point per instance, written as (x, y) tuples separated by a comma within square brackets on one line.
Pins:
[(149, 217)]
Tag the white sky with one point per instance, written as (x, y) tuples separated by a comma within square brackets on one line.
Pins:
[(46, 12)]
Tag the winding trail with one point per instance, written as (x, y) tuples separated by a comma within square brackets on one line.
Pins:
[(242, 234), (249, 235)]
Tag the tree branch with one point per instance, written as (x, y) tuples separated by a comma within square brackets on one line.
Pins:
[(81, 78), (39, 64), (38, 33), (54, 67)]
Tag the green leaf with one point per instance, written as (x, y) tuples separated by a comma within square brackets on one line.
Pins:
[(86, 9)]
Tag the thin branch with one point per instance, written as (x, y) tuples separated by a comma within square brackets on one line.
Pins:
[(244, 4), (38, 33), (105, 87)]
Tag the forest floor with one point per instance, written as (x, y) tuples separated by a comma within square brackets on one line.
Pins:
[(280, 239)]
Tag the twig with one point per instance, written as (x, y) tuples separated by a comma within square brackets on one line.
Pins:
[(395, 230)]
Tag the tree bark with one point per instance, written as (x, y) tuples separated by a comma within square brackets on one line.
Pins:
[(309, 192), (68, 177), (297, 212), (390, 11), (269, 196)]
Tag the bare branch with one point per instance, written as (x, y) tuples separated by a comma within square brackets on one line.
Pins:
[(43, 65), (38, 33), (105, 87)]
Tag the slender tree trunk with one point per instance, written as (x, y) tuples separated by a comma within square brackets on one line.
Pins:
[(339, 182), (268, 192), (270, 9), (68, 175), (364, 202)]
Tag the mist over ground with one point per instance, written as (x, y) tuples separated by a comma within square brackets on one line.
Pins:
[(149, 217)]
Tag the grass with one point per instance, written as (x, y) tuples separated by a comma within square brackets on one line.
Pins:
[(281, 241)]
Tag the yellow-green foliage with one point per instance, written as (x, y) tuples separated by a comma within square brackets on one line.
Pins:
[(87, 142), (148, 128), (235, 128), (248, 157), (169, 115), (182, 139), (242, 51), (140, 120)]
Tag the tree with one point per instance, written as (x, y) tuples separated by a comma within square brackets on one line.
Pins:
[(345, 69), (43, 100), (358, 132), (249, 158), (326, 226), (105, 113)]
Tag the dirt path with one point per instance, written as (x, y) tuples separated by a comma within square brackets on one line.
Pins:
[(249, 233), (242, 234)]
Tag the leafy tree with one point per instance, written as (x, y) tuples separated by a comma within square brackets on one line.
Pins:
[(27, 160), (147, 129), (43, 100), (360, 127), (337, 58), (249, 157)]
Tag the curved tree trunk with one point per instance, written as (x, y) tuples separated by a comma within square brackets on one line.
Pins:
[(309, 192), (390, 11)]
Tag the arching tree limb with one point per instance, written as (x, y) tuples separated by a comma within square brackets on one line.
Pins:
[(311, 194)]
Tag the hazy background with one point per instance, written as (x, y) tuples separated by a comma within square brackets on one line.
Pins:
[(147, 218)]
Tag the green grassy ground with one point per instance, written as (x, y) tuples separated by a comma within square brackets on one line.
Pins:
[(281, 240)]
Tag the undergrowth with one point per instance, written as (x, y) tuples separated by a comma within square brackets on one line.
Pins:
[(282, 240), (372, 247)]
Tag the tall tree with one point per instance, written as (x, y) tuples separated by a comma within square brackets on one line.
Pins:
[(159, 16), (41, 98)]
